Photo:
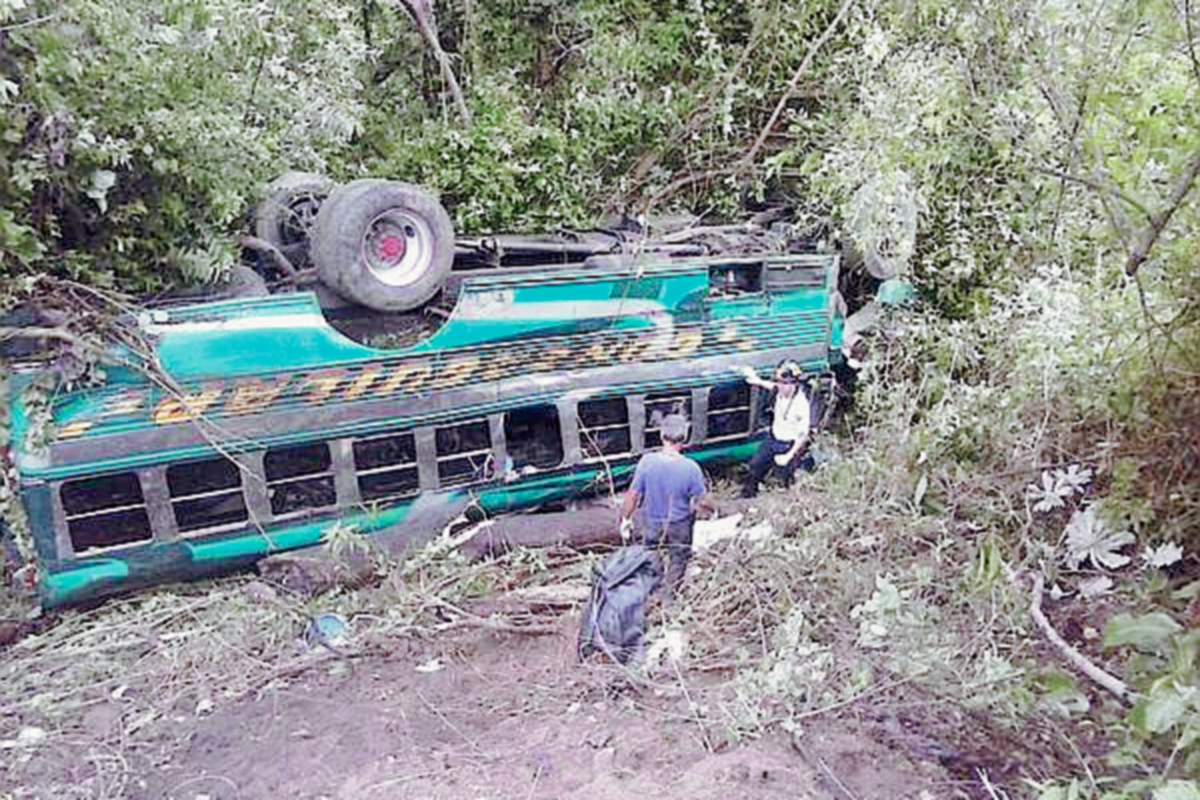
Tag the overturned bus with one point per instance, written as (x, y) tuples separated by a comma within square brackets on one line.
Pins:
[(261, 425)]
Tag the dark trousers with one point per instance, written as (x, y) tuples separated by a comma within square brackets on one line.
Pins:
[(675, 538), (763, 461)]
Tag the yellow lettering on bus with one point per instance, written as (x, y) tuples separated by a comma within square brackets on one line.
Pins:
[(459, 370), (360, 384), (686, 343), (254, 395), (631, 351), (499, 366), (181, 409), (72, 430), (322, 385), (415, 373), (124, 403), (598, 354), (558, 357)]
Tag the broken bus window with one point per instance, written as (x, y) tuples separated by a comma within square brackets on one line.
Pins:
[(533, 437), (463, 452), (386, 466)]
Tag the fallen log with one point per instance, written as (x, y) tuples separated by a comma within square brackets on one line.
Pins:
[(581, 527)]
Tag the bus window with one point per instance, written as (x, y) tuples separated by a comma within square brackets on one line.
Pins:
[(728, 411), (206, 494), (464, 452), (105, 512), (659, 406), (387, 466), (299, 478), (730, 280), (604, 427), (534, 437)]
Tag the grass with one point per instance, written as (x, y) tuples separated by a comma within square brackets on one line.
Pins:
[(851, 605)]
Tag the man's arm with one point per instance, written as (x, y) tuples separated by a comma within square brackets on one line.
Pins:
[(630, 503), (785, 458), (699, 499), (752, 378)]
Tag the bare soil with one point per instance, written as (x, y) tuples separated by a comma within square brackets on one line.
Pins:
[(475, 714)]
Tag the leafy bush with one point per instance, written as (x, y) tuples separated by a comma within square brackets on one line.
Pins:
[(135, 133)]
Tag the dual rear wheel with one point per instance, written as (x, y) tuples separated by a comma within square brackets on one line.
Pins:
[(386, 245)]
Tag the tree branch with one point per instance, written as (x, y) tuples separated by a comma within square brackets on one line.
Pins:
[(748, 159), (1191, 38), (273, 253), (59, 334), (681, 183), (422, 14), (1183, 185), (1076, 659), (1095, 185)]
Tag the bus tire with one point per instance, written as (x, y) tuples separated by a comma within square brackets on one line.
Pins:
[(383, 244), (288, 210)]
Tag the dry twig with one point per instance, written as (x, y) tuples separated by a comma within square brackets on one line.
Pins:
[(422, 15), (1076, 659), (805, 65)]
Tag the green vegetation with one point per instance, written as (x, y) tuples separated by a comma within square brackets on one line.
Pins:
[(1031, 168)]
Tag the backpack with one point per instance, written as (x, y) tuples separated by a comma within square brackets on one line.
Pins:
[(614, 619)]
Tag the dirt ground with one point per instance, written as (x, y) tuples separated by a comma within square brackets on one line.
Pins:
[(507, 717), (475, 714)]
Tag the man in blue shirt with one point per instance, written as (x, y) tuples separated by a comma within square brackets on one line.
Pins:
[(668, 488)]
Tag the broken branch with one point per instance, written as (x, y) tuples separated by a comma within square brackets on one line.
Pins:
[(272, 253), (1183, 185), (422, 14), (805, 65), (1076, 659)]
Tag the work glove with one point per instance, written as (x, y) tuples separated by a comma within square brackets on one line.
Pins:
[(782, 459), (626, 529)]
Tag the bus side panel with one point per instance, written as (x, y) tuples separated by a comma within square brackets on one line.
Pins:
[(39, 512), (91, 578)]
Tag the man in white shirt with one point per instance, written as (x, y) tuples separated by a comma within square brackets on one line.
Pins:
[(788, 437)]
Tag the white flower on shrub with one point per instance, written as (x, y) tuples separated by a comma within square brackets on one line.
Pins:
[(1164, 555), (1089, 539), (1056, 487), (1093, 587)]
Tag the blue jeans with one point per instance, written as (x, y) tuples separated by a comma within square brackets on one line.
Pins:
[(676, 539), (763, 461)]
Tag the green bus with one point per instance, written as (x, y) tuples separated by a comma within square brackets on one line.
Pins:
[(262, 425)]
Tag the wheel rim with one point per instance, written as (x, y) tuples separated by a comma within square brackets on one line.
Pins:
[(300, 218), (398, 247)]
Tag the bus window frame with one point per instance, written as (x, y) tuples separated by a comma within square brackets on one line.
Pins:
[(65, 544), (582, 431), (394, 467), (505, 450), (480, 473), (330, 472), (176, 529), (749, 408)]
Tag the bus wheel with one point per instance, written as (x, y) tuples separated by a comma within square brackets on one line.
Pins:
[(288, 211), (383, 244)]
